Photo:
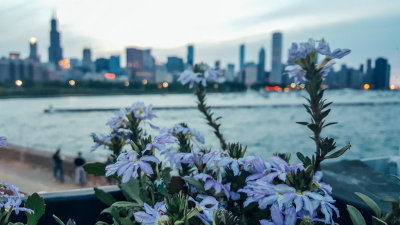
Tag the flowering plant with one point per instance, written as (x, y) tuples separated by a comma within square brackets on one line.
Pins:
[(173, 179)]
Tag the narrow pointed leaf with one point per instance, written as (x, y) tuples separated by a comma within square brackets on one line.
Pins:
[(339, 152), (355, 216), (371, 203)]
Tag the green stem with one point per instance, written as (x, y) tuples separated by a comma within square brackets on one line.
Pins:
[(206, 110)]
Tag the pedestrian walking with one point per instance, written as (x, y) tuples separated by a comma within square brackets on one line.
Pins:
[(80, 174), (58, 171)]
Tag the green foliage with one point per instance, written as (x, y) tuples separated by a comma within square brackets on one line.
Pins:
[(59, 221), (224, 217), (355, 216), (371, 203), (104, 197), (36, 203), (97, 168)]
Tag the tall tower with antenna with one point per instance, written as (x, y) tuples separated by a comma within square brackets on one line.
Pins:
[(55, 50)]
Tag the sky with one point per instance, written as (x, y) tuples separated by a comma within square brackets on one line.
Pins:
[(370, 28)]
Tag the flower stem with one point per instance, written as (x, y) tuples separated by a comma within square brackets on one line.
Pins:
[(200, 92)]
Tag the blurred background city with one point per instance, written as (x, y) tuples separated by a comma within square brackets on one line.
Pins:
[(83, 60)]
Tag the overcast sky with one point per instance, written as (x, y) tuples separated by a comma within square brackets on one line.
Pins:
[(370, 28)]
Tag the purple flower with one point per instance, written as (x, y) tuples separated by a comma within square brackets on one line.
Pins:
[(207, 206), (325, 204), (326, 188), (279, 218), (99, 141), (151, 216), (11, 198), (187, 132), (265, 193), (128, 163), (142, 112), (212, 75), (211, 183), (3, 142), (340, 53), (301, 50), (160, 142), (118, 120), (323, 48), (188, 77), (195, 158), (296, 72)]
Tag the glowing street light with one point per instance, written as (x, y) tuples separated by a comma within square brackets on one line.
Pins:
[(144, 82), (392, 87), (165, 84), (367, 86), (72, 83), (18, 83), (126, 83)]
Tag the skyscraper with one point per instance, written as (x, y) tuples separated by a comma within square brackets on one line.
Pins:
[(190, 55), (381, 77), (87, 62), (115, 66), (230, 72), (33, 49), (261, 66), (217, 65), (241, 58), (55, 50), (276, 70), (369, 73)]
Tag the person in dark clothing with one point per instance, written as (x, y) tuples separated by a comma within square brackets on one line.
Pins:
[(58, 172), (80, 174)]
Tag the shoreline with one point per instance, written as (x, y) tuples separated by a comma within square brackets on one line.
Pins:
[(32, 171)]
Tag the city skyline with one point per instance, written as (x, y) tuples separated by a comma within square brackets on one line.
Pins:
[(223, 48)]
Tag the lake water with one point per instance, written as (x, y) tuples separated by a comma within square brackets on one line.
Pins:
[(372, 129)]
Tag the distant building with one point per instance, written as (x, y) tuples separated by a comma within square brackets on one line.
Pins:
[(141, 64), (175, 64), (162, 74), (241, 58), (381, 76), (134, 58), (115, 66), (55, 50), (74, 63), (102, 65), (369, 73), (190, 55), (276, 69), (230, 72), (33, 52), (250, 72), (12, 69), (217, 65), (261, 66), (87, 63)]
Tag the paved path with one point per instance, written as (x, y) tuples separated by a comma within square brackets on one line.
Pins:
[(32, 179)]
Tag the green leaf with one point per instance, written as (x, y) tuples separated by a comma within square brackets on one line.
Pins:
[(301, 157), (339, 152), (355, 216), (36, 203), (125, 204), (302, 123), (58, 220), (325, 113), (97, 168), (371, 203), (126, 221), (377, 221), (389, 199), (195, 183), (104, 197), (328, 124), (19, 223), (132, 189), (101, 223)]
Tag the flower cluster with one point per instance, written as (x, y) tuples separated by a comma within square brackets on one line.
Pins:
[(200, 76), (168, 179), (11, 199), (298, 53)]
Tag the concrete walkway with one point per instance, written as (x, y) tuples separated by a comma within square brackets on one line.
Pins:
[(30, 178)]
